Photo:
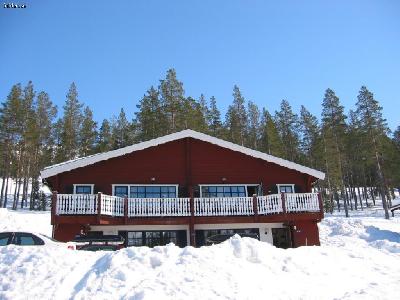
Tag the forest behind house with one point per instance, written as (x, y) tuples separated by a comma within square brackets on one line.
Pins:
[(356, 149)]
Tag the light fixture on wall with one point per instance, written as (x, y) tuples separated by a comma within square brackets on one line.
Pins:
[(223, 179), (152, 179)]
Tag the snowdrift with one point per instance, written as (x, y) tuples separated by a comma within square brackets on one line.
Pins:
[(358, 260)]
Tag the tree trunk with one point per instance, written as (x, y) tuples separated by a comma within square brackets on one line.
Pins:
[(2, 190), (360, 197)]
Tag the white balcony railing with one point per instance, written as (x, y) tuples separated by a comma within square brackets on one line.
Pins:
[(112, 206), (76, 204), (271, 204), (302, 202), (79, 204), (226, 206), (158, 207)]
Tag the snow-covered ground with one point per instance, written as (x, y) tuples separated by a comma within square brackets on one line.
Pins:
[(359, 259)]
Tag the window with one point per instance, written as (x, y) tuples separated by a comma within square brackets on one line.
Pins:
[(145, 191), (27, 239), (5, 238), (121, 191), (83, 188), (223, 191), (285, 188), (156, 238), (135, 238)]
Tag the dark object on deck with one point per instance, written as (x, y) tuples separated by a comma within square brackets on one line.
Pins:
[(393, 208)]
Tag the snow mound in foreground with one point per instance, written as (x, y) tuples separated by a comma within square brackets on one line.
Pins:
[(357, 229), (240, 268)]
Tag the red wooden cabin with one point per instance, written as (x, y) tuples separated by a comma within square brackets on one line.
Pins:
[(188, 188)]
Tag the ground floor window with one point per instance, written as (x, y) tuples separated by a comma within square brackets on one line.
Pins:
[(145, 191), (215, 236), (155, 238)]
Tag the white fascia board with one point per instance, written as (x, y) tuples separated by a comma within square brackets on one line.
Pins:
[(89, 160)]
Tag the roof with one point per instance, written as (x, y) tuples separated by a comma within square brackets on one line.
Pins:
[(89, 160)]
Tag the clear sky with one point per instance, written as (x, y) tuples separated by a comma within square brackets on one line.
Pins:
[(273, 50)]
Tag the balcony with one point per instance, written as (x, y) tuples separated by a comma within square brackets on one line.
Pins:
[(112, 206)]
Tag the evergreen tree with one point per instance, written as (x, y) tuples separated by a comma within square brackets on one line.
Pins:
[(236, 118), (88, 133), (287, 125), (375, 128), (172, 98), (122, 131), (151, 119), (334, 130), (214, 118), (396, 137), (270, 142), (71, 125), (309, 131), (253, 126), (105, 142)]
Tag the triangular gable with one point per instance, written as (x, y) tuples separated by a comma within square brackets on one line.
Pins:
[(89, 160)]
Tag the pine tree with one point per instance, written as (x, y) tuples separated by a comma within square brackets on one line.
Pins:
[(287, 125), (122, 131), (88, 133), (334, 130), (71, 124), (253, 126), (105, 142), (375, 128), (10, 120), (309, 131), (172, 98), (236, 118), (270, 141), (214, 118), (151, 119), (396, 136)]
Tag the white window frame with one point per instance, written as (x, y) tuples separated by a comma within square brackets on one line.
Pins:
[(285, 184), (228, 184), (85, 184), (136, 184)]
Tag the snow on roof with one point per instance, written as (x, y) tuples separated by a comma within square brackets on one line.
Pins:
[(89, 160)]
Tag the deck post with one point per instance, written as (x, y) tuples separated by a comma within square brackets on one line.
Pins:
[(53, 207), (283, 198), (255, 208), (191, 222), (98, 207), (321, 205), (125, 210)]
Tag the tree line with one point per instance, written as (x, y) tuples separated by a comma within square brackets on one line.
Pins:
[(356, 150)]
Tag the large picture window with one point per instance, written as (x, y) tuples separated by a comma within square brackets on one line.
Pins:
[(145, 191), (223, 191)]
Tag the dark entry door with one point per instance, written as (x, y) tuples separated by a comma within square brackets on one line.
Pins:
[(281, 237)]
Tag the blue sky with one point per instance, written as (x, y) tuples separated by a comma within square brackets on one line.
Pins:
[(294, 50)]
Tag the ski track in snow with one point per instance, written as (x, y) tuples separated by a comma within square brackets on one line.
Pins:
[(358, 259)]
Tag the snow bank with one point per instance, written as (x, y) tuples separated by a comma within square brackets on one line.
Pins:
[(358, 259), (20, 220)]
